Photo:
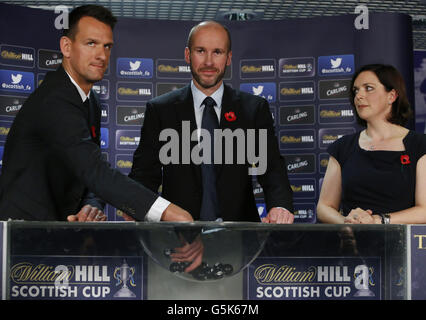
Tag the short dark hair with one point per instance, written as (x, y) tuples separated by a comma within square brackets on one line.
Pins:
[(391, 79), (194, 28), (98, 12)]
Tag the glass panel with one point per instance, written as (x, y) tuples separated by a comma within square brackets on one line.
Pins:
[(235, 261)]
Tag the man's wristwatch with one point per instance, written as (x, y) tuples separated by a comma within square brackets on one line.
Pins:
[(385, 218)]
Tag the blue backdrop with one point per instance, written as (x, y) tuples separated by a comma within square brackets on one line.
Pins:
[(301, 66)]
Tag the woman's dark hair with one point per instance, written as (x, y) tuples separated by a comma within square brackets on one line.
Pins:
[(391, 79), (98, 12)]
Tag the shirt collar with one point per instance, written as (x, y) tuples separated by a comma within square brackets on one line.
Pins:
[(199, 96), (80, 91)]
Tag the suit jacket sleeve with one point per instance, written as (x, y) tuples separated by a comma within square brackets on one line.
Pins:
[(274, 181), (64, 126), (93, 200), (146, 168)]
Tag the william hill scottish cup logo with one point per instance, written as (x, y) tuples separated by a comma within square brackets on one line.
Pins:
[(328, 135), (102, 88), (297, 67), (59, 277), (127, 139), (305, 212), (310, 278), (135, 68)]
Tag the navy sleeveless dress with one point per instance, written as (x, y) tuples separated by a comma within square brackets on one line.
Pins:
[(383, 181)]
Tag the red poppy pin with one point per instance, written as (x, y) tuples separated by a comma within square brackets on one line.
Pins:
[(93, 131), (405, 159), (230, 116)]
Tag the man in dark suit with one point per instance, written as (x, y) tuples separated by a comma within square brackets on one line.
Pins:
[(222, 190), (52, 162)]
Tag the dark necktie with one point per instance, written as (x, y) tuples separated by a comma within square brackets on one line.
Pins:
[(209, 204)]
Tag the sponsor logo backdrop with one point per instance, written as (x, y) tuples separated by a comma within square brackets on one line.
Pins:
[(2, 275), (76, 278), (420, 89), (314, 278), (302, 68), (418, 258)]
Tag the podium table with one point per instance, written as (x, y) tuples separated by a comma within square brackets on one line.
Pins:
[(238, 261)]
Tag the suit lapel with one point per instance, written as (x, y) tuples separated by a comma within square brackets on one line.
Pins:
[(60, 77), (184, 107), (229, 117), (95, 115)]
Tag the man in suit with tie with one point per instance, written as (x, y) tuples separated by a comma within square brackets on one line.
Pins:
[(52, 162), (212, 191)]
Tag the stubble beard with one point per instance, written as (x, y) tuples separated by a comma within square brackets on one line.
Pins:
[(204, 84)]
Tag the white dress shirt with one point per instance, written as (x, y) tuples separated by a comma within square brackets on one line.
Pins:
[(198, 98)]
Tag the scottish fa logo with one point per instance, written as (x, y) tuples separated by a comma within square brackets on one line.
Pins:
[(257, 91), (134, 68), (16, 81), (266, 90), (16, 78), (134, 65), (335, 63)]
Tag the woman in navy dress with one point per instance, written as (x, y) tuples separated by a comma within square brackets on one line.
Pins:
[(377, 175)]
